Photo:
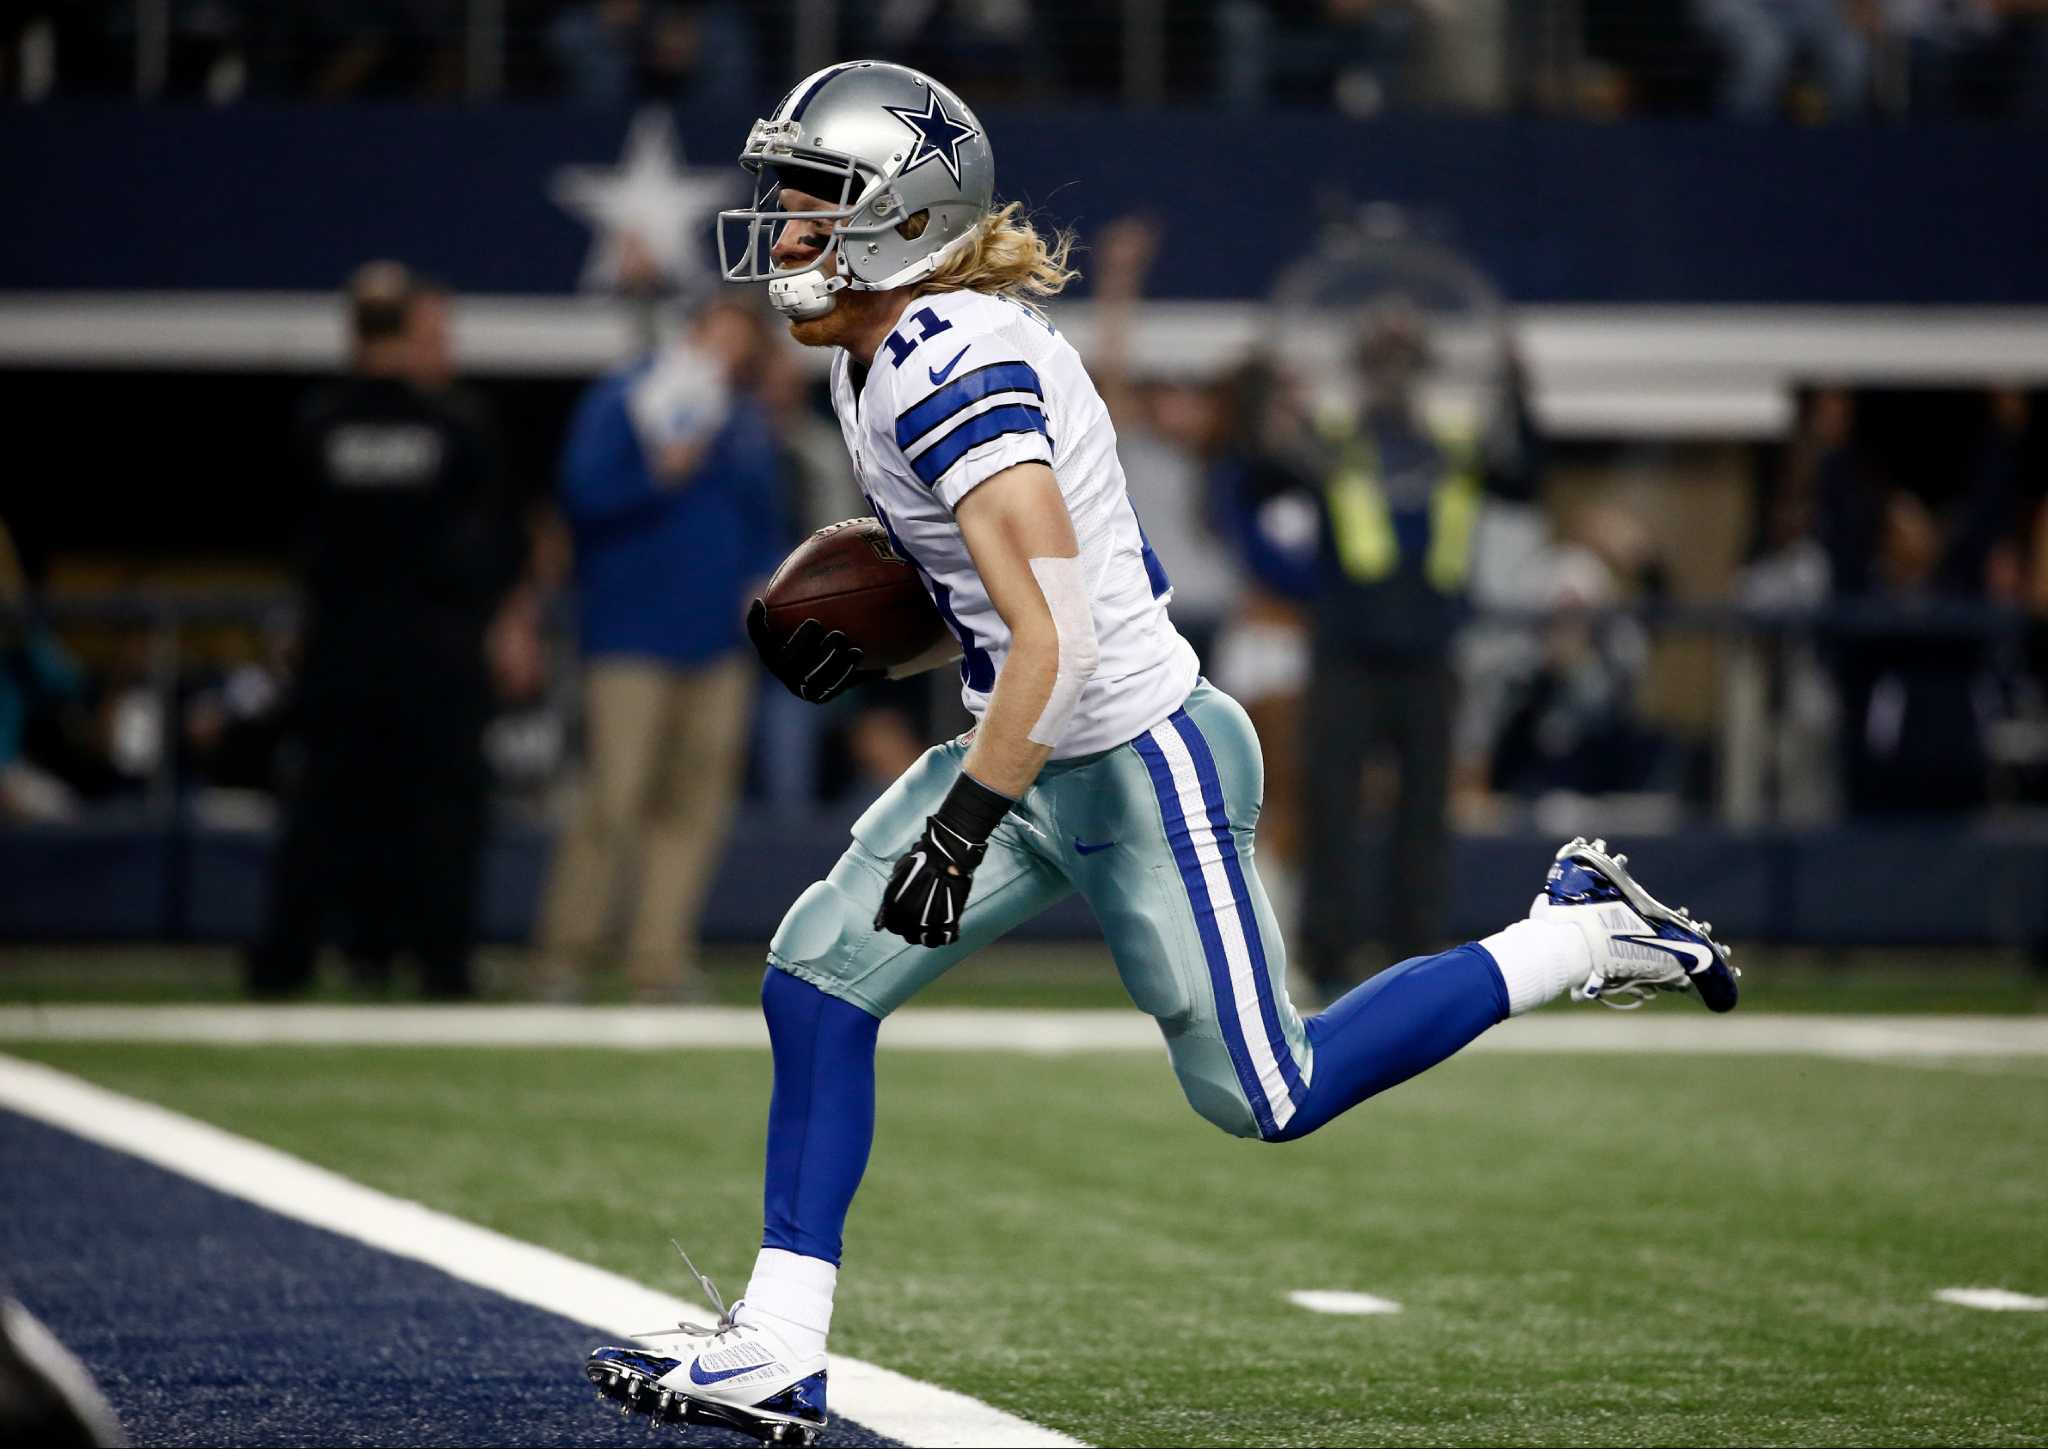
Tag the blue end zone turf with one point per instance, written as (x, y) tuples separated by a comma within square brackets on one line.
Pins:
[(211, 1321)]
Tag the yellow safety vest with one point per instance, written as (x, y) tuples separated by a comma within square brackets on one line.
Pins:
[(1362, 526)]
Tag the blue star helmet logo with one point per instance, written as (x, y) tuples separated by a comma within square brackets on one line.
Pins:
[(938, 134)]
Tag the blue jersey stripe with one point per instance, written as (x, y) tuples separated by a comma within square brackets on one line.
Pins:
[(1180, 836), (1233, 870), (964, 391), (932, 463), (1155, 571)]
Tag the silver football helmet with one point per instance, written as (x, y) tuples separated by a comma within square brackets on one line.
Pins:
[(878, 143)]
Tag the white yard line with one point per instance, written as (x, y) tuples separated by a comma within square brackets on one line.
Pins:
[(1341, 1301), (887, 1402), (1995, 1300), (1675, 1026)]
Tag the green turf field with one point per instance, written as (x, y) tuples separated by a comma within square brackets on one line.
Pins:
[(1600, 1250)]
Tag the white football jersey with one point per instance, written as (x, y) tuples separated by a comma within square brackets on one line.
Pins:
[(967, 386)]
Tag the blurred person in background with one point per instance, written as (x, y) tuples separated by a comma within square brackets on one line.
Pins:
[(618, 53), (1913, 511), (411, 560), (1540, 701), (1162, 426), (1984, 58), (233, 722), (1568, 706), (356, 49), (1761, 41), (1399, 495), (38, 678), (999, 48), (669, 481), (1640, 58), (1356, 55), (1782, 690), (1269, 513)]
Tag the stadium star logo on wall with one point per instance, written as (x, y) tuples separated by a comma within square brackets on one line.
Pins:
[(938, 134), (648, 209)]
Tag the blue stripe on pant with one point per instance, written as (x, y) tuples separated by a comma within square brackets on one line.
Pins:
[(1190, 807), (1233, 870)]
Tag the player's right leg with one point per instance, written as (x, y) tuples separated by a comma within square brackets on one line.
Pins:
[(1163, 832), (831, 979)]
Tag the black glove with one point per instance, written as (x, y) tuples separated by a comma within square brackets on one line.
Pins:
[(927, 892), (814, 665)]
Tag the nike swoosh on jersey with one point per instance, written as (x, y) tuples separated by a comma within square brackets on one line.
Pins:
[(698, 1376), (940, 374), (1081, 847), (1683, 950)]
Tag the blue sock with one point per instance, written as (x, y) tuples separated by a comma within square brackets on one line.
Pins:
[(1403, 1021), (821, 1119)]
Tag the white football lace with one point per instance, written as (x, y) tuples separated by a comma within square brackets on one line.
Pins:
[(725, 1323)]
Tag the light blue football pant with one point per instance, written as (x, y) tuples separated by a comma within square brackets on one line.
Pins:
[(1156, 835)]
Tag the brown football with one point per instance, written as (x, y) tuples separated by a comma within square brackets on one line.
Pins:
[(847, 577)]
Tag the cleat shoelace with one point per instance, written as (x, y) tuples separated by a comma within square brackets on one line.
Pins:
[(726, 1323)]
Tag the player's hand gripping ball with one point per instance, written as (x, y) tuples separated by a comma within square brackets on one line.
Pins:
[(814, 664), (841, 610)]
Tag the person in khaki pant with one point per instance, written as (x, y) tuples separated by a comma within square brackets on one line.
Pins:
[(669, 484), (666, 751)]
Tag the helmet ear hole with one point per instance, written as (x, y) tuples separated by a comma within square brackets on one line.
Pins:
[(912, 226)]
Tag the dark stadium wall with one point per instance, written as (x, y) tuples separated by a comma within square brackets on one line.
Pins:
[(125, 881), (120, 198)]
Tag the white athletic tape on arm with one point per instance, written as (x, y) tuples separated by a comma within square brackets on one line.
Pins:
[(1073, 625)]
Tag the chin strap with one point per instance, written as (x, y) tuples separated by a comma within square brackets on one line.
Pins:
[(804, 295)]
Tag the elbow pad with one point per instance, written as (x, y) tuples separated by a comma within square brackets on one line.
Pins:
[(1073, 623)]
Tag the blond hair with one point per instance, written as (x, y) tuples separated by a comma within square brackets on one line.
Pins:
[(1004, 255)]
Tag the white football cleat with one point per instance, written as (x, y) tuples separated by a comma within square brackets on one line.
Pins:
[(1639, 945), (740, 1375)]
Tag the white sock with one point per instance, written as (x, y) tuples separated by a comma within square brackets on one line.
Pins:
[(1539, 960), (794, 1295)]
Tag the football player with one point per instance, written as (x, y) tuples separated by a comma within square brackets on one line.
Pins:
[(1101, 762)]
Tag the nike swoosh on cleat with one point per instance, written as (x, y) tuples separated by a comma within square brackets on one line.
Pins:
[(1694, 964), (1081, 847), (940, 374), (698, 1376)]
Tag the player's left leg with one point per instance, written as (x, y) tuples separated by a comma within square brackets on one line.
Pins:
[(832, 977)]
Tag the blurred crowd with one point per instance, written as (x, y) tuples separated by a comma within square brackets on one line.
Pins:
[(1377, 533), (1408, 586), (1799, 59)]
